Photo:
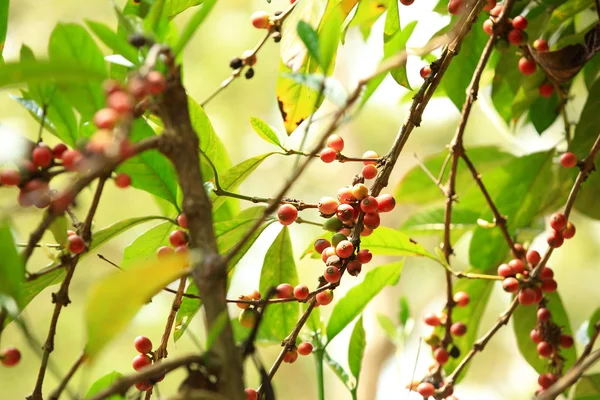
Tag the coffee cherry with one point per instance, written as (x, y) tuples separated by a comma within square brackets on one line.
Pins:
[(156, 83), (71, 158), (360, 191), (432, 319), (121, 102), (458, 329), (346, 213), (490, 5), (178, 238), (407, 2), (546, 380), (366, 231), (10, 356), (122, 180), (106, 118), (260, 19), (301, 292), (569, 231), (461, 299), (58, 150), (332, 274), (140, 361), (369, 171), (136, 86), (515, 37), (328, 155), (558, 221), (335, 142), (540, 45), (533, 257), (455, 6), (535, 336), (10, 177), (344, 249), (543, 314), (539, 295), (243, 305), (568, 160), (321, 244), (488, 27), (291, 356), (369, 204), (345, 196), (364, 256), (546, 89), (182, 221), (555, 239), (285, 291), (251, 394), (527, 296), (354, 267), (337, 238), (495, 12), (386, 203), (183, 249), (287, 214), (143, 386), (371, 220), (143, 344), (305, 348), (370, 154), (42, 156), (426, 389), (441, 355), (325, 297), (328, 205), (546, 273), (566, 341), (328, 252), (505, 271), (254, 295), (76, 244), (519, 22), (517, 265), (425, 71), (526, 66), (549, 285), (545, 349), (248, 318)]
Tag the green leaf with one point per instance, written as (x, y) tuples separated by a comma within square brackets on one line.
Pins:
[(367, 13), (430, 221), (586, 132), (278, 267), (394, 41), (265, 131), (592, 323), (3, 24), (543, 112), (527, 93), (174, 7), (330, 31), (144, 246), (356, 349), (103, 383), (310, 38), (506, 83), (103, 235), (12, 269), (150, 171), (588, 388), (193, 24), (331, 88), (404, 313), (126, 291), (114, 41), (525, 319), (565, 11), (18, 73), (71, 43), (354, 302), (339, 371), (388, 327), (155, 18), (59, 229), (591, 70), (187, 311)]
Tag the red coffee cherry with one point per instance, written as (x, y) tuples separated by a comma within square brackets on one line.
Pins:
[(140, 361), (533, 257), (354, 267), (335, 142), (386, 202), (515, 37), (546, 273), (441, 355), (287, 214), (106, 118), (369, 171), (260, 19), (325, 297), (178, 238), (545, 349), (143, 386), (517, 265), (248, 318), (344, 249), (569, 231), (305, 348), (426, 389), (543, 314), (540, 45), (455, 7), (332, 274), (42, 156), (539, 295), (568, 160), (136, 86), (490, 5), (321, 244), (71, 158), (555, 239), (10, 356), (58, 150), (183, 249), (546, 380), (156, 83), (566, 341), (407, 2), (345, 196), (328, 252), (505, 271), (371, 220), (76, 244), (432, 319), (10, 177), (285, 291), (510, 285), (526, 66), (360, 191), (461, 299), (242, 304), (370, 154), (519, 22), (346, 213), (458, 329), (254, 295), (425, 71), (546, 89), (549, 285), (366, 231), (364, 256), (121, 102), (527, 296), (291, 356), (369, 204), (122, 180), (488, 27), (301, 292), (558, 221), (143, 344), (535, 336), (328, 205), (182, 221), (495, 12), (251, 394), (328, 155)]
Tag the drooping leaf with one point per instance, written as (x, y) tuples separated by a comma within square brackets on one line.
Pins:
[(330, 31), (12, 268), (103, 383), (543, 112), (144, 246), (114, 41), (588, 388), (126, 291), (310, 38), (278, 267), (265, 131), (394, 41), (525, 319), (356, 349), (193, 25), (354, 302), (339, 371)]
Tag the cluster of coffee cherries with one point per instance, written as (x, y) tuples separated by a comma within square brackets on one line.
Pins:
[(144, 346), (333, 150), (10, 356), (178, 240), (561, 229), (517, 278)]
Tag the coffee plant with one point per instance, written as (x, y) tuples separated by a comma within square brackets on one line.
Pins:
[(124, 117)]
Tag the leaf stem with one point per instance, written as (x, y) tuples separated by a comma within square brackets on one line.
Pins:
[(320, 373)]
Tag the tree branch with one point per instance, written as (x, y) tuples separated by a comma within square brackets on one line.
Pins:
[(569, 378)]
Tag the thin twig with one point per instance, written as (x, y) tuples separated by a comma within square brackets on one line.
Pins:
[(429, 174), (65, 381)]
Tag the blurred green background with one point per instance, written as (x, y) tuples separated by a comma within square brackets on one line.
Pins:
[(498, 373)]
